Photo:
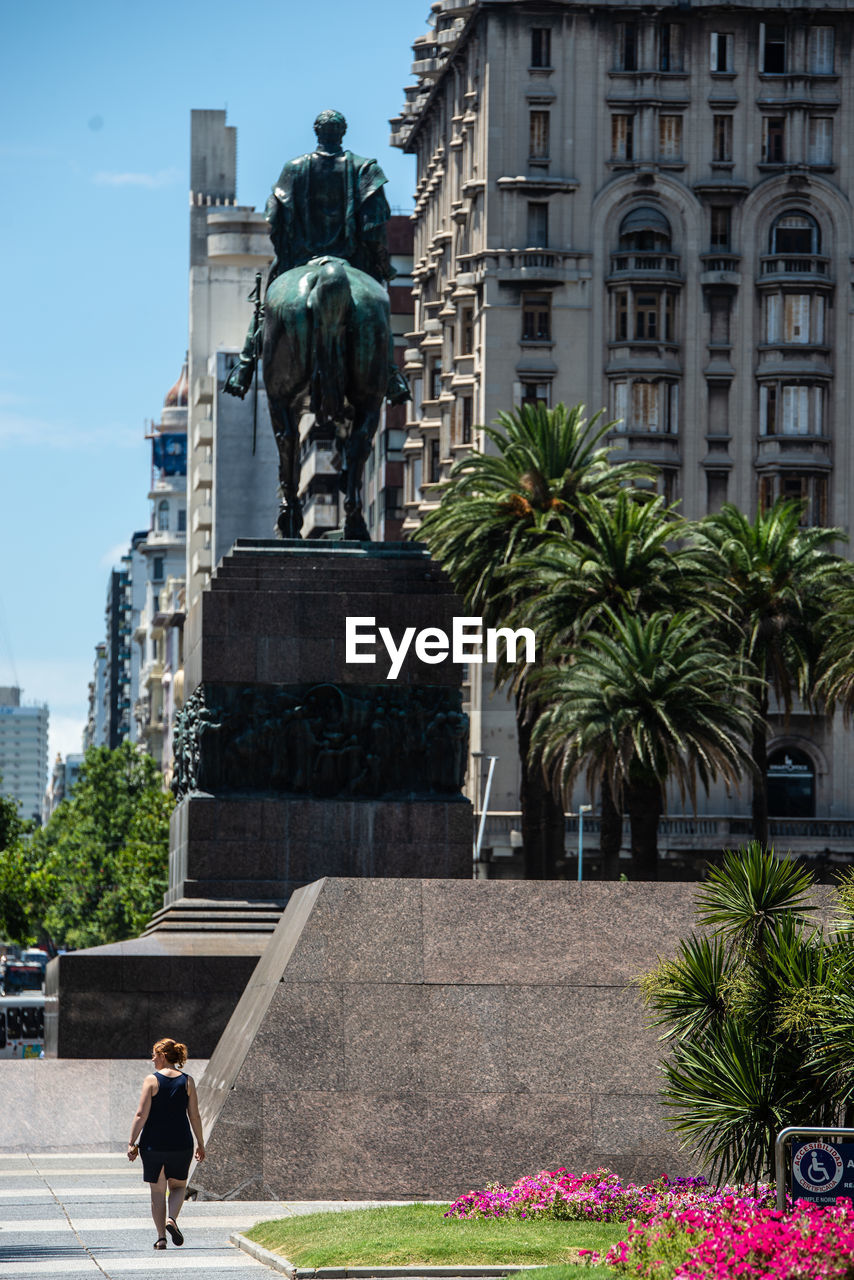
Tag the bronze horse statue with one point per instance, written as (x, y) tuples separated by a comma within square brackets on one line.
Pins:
[(326, 325), (326, 348)]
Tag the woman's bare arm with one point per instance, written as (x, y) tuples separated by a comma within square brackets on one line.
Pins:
[(195, 1118), (149, 1086)]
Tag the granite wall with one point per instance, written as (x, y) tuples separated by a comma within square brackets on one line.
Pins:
[(421, 1038)]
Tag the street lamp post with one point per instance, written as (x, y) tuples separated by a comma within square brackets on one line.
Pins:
[(478, 755), (582, 809)]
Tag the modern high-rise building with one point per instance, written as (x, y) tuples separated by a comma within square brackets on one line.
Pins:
[(23, 752), (647, 210)]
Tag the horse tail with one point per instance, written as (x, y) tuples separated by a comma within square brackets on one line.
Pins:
[(328, 301)]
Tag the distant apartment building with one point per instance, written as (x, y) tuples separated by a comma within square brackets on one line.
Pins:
[(62, 781), (648, 210), (232, 471), (23, 752), (164, 558)]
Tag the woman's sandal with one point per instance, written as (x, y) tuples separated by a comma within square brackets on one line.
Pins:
[(174, 1231), (160, 1242)]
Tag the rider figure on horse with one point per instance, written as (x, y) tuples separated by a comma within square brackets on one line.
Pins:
[(329, 203)]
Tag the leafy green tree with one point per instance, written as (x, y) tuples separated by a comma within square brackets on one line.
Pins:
[(98, 869), (645, 702), (778, 576), (499, 506), (13, 921), (750, 1014)]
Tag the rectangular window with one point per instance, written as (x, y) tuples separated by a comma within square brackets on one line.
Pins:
[(621, 316), (539, 135), (796, 317), (465, 419), (646, 316), (536, 317), (417, 399), (670, 47), (766, 492), (796, 403), (621, 405), (768, 410), (719, 305), (772, 49), (627, 46), (772, 318), (820, 140), (467, 331), (435, 379), (720, 228), (541, 47), (536, 393), (538, 224), (414, 475), (646, 405), (670, 137), (433, 462), (716, 490), (721, 50), (722, 139), (820, 51), (773, 139), (622, 137)]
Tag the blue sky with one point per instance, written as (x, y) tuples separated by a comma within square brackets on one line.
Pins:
[(95, 102)]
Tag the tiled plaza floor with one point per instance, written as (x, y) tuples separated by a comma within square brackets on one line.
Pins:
[(87, 1217)]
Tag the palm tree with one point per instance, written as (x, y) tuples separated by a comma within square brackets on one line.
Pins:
[(498, 507), (835, 681), (643, 702), (751, 1016), (633, 552), (777, 575)]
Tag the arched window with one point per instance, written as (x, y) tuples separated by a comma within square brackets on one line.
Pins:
[(791, 784), (645, 230), (795, 232), (163, 516)]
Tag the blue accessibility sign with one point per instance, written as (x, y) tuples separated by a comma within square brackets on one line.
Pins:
[(822, 1171)]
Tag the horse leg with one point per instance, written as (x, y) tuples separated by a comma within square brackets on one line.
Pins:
[(286, 429), (357, 449)]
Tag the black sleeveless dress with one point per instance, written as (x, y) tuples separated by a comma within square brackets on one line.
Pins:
[(166, 1141)]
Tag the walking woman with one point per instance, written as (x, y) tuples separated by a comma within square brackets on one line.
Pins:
[(168, 1107)]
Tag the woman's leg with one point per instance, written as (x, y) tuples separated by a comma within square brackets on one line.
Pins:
[(177, 1191), (158, 1204)]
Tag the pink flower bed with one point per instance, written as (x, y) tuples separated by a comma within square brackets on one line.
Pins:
[(599, 1195), (739, 1242), (683, 1229)]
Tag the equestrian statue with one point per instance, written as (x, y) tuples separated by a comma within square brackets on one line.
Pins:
[(324, 331)]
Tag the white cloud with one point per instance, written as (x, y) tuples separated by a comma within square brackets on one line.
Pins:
[(110, 559), (163, 178), (65, 736)]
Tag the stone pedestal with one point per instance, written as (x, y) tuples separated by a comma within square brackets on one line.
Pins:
[(292, 764)]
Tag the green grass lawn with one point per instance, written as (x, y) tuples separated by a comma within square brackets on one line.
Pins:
[(409, 1235)]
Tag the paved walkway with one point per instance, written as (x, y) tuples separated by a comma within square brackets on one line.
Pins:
[(87, 1217)]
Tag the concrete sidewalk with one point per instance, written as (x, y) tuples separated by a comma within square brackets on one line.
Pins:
[(87, 1217)]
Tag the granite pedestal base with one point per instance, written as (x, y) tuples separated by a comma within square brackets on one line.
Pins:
[(293, 762), (418, 1039)]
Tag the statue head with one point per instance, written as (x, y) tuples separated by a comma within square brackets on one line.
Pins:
[(330, 126)]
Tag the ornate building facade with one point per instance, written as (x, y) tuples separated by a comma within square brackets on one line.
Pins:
[(647, 210)]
